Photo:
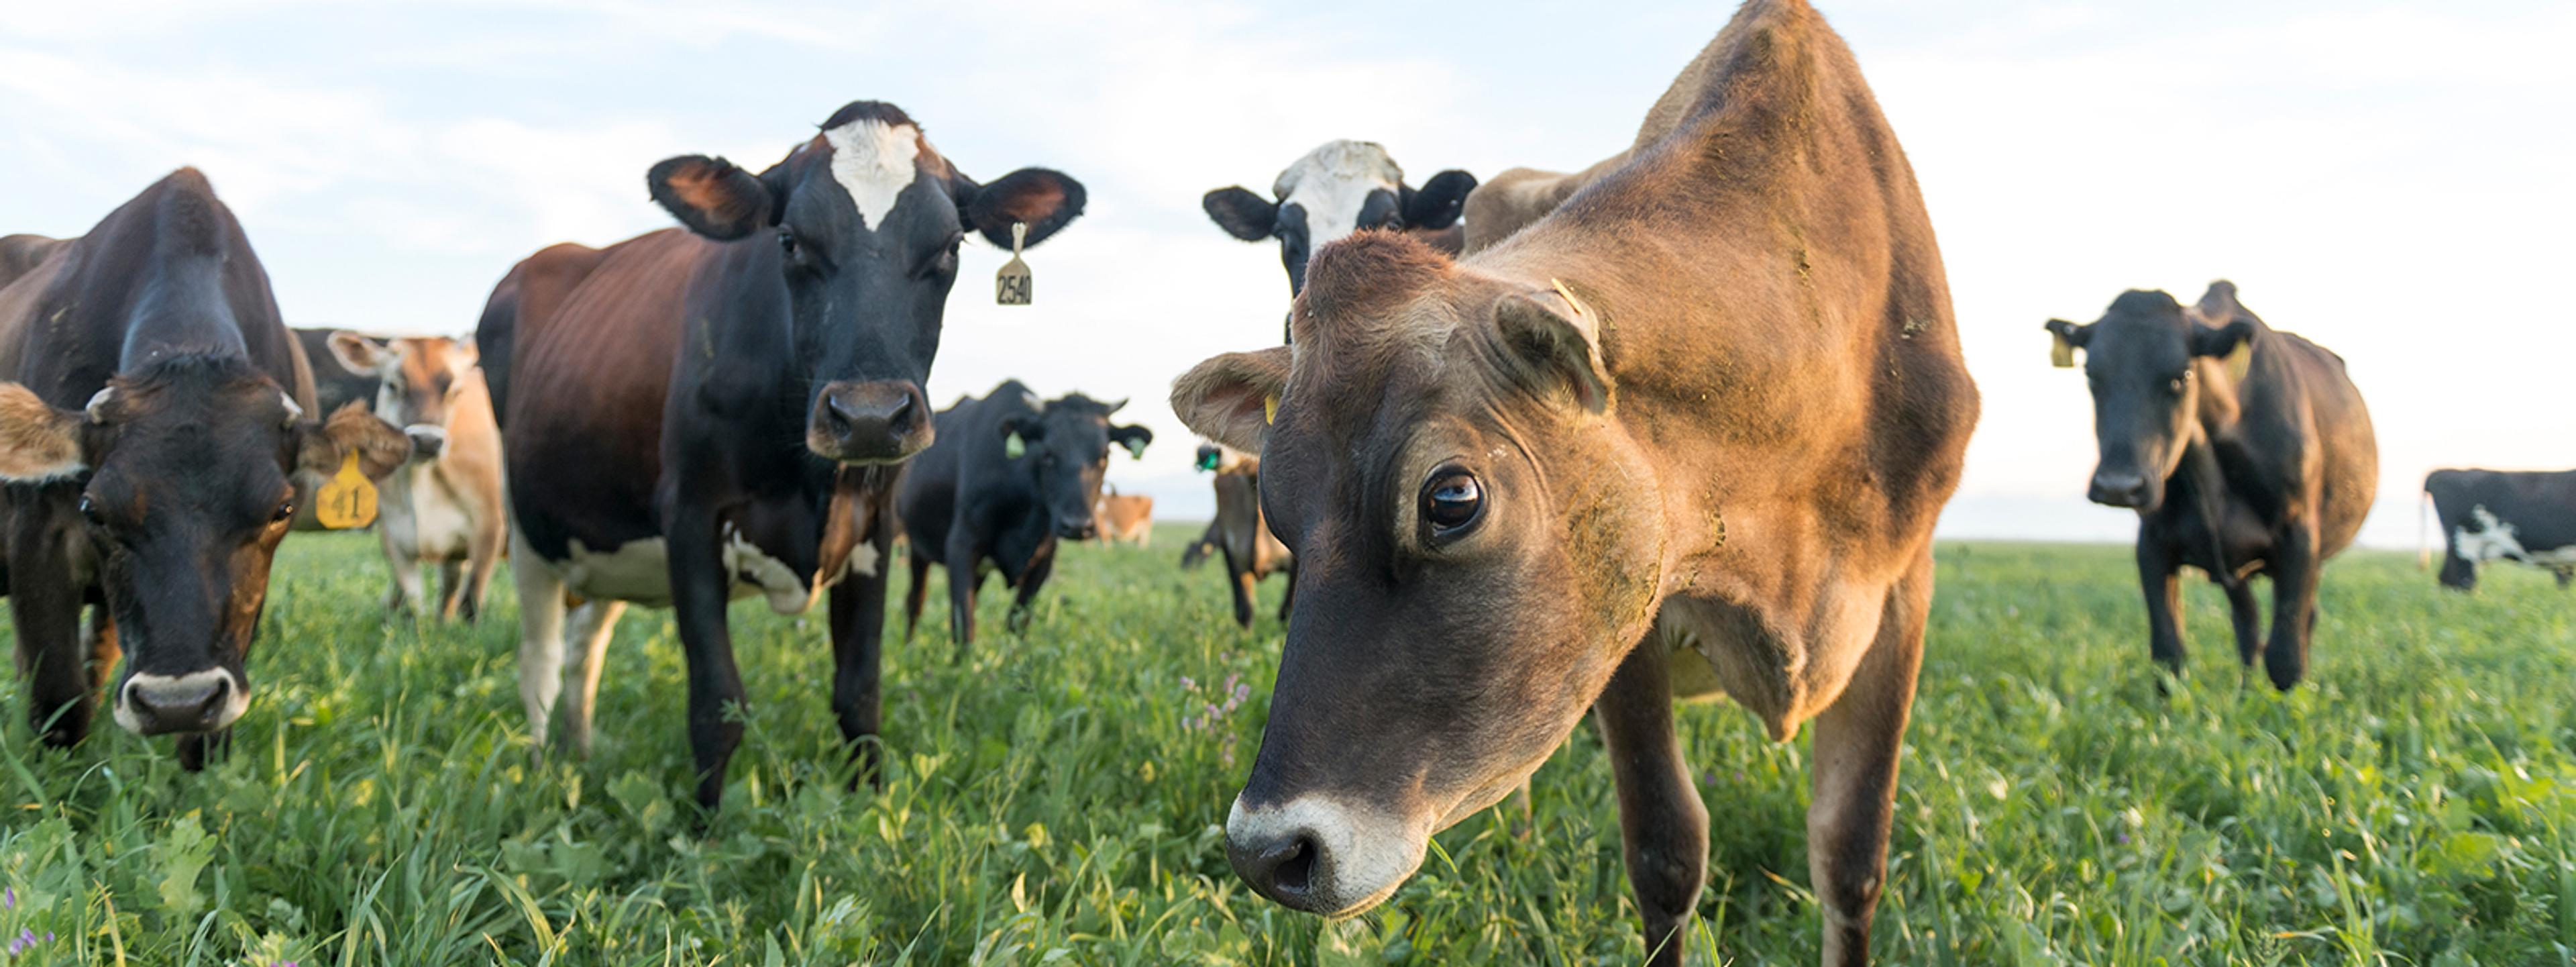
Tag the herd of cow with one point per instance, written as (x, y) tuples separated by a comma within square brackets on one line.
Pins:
[(1548, 446)]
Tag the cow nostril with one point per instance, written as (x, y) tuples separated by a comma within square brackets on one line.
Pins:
[(901, 417), (1291, 865)]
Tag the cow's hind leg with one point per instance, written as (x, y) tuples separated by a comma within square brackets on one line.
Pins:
[(46, 611), (964, 581), (541, 627), (198, 748), (592, 625), (2294, 601), (916, 595), (1239, 579), (451, 589), (1662, 822), (1857, 742)]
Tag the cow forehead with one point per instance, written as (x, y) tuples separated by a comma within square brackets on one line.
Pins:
[(1333, 182), (873, 162)]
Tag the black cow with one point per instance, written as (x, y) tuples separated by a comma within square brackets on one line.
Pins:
[(1339, 188), (1008, 476), (692, 415), (334, 385), (156, 410), (2490, 515), (2262, 464)]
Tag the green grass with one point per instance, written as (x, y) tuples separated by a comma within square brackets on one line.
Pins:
[(1046, 802)]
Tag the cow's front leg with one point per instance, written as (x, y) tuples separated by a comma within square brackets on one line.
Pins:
[(2247, 615), (198, 748), (1238, 578), (46, 607), (858, 648), (2294, 600), (2159, 578), (1857, 742), (699, 586), (407, 591), (1662, 822), (964, 582), (1030, 581)]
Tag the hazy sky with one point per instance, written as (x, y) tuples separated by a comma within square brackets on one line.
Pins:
[(2391, 180)]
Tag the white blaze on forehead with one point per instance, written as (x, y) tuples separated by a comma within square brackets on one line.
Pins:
[(1363, 853), (1332, 182), (873, 161)]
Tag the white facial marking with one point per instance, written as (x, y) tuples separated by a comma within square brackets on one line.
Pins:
[(873, 161), (1365, 853), (1332, 182), (236, 698)]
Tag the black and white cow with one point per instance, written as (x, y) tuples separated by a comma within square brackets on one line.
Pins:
[(1337, 189), (2494, 515)]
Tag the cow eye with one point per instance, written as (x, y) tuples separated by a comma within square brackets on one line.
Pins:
[(285, 512), (787, 242), (2177, 383), (1452, 502), (89, 511)]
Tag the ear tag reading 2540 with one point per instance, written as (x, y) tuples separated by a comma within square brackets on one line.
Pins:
[(347, 500), (1011, 285)]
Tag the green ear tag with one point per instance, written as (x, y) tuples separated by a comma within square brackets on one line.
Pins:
[(2061, 353), (1136, 448), (2240, 359), (1013, 446)]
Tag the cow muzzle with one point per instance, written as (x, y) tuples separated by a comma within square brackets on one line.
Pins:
[(1077, 530), (885, 421), (1318, 855), (199, 701), (427, 441), (2112, 489)]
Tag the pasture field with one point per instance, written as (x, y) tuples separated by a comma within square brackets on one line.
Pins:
[(1057, 798)]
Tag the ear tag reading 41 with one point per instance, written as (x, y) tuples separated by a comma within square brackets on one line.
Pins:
[(1012, 285), (1013, 446), (347, 500), (2061, 353)]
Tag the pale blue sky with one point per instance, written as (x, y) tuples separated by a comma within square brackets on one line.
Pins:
[(2392, 180)]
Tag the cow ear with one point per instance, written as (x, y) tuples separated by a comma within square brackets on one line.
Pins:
[(358, 354), (322, 445), (1552, 342), (1134, 438), (37, 442), (1242, 214), (1438, 203), (1026, 426), (1043, 199), (1233, 398), (2064, 339), (712, 197), (2234, 341)]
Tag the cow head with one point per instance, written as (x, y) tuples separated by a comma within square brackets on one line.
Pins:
[(2149, 361), (1337, 189), (418, 379), (1476, 548), (1065, 448), (860, 228), (173, 494)]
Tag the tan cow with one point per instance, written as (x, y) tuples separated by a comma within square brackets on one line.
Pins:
[(1126, 519), (444, 508), (1701, 415)]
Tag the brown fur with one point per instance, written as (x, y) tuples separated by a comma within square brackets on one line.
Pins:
[(1127, 518), (35, 440), (434, 382), (1714, 399)]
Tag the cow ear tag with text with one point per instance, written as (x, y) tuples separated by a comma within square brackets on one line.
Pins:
[(2241, 358), (2061, 353), (347, 500), (1012, 285), (1013, 446)]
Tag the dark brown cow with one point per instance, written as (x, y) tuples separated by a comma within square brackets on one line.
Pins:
[(155, 413), (692, 415), (1705, 411)]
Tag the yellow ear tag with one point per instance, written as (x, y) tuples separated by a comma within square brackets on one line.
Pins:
[(2240, 359), (1270, 409), (346, 500), (2061, 353), (1013, 446)]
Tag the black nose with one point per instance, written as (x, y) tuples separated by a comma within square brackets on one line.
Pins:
[(190, 703), (1282, 869), (1081, 530), (874, 422), (2119, 489)]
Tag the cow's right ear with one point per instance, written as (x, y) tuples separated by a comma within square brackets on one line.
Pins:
[(712, 197), (1241, 213), (1439, 202), (381, 447), (358, 354), (37, 442), (1233, 398), (2069, 337)]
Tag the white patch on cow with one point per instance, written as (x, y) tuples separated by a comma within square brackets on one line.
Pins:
[(1364, 853), (1332, 182), (2496, 540), (236, 697), (873, 161), (637, 571), (863, 560), (754, 570)]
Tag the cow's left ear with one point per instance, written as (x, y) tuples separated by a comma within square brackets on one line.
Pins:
[(1439, 202), (2233, 342), (1233, 398), (37, 442), (357, 353), (1044, 199), (713, 197), (1134, 438), (1552, 342), (321, 445)]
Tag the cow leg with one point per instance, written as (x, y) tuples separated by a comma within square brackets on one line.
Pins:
[(478, 581), (1662, 822), (916, 595), (700, 590), (46, 607), (451, 588), (2565, 577), (593, 624), (2159, 576), (1238, 577), (963, 583), (1857, 742), (104, 652), (1031, 581), (858, 649), (541, 620), (1287, 594), (2247, 615), (406, 593), (2294, 601)]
